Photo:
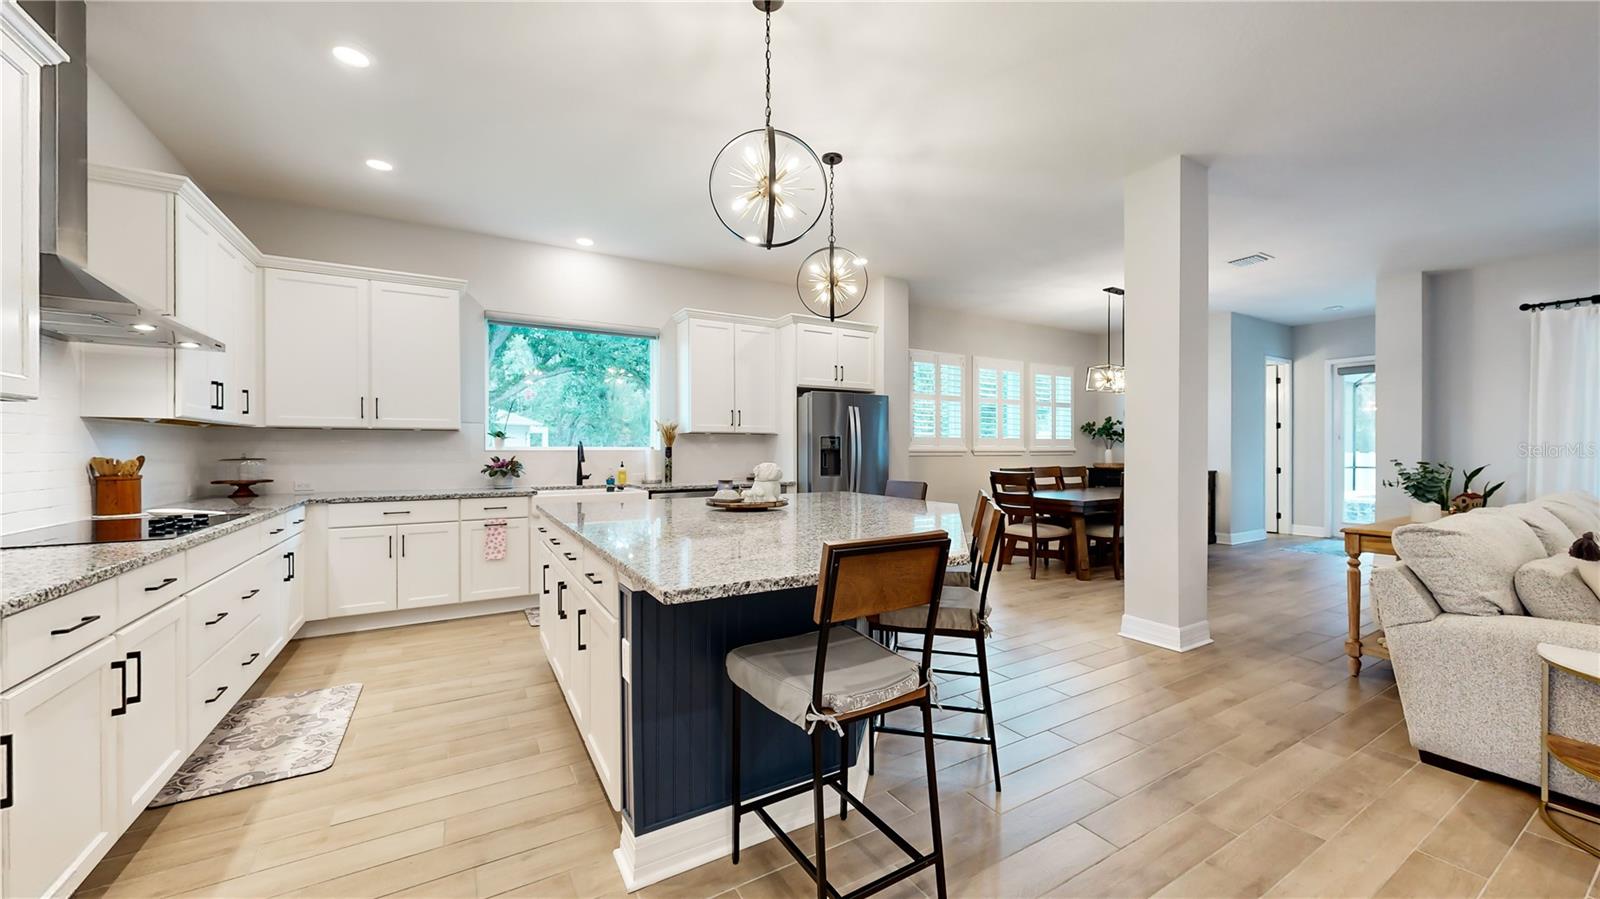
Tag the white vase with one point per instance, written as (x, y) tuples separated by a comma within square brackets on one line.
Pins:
[(1425, 512), (1109, 455), (499, 443)]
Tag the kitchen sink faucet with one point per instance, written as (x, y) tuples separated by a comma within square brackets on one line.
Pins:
[(581, 476)]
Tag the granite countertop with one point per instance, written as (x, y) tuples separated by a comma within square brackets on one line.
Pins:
[(33, 577), (681, 550), (678, 487)]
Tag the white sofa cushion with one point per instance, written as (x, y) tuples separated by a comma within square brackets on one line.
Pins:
[(1552, 532), (1577, 510), (1469, 561), (1553, 588)]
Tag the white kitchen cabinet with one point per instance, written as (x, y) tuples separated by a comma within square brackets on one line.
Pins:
[(315, 337), (415, 358), (550, 584), (727, 374), (835, 357), (244, 345), (149, 675), (24, 51), (483, 578), (603, 646), (429, 565), (291, 587), (208, 282), (361, 570), (60, 746), (856, 371), (578, 605)]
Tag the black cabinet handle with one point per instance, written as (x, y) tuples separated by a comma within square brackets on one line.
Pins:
[(494, 508), (222, 395), (165, 582), (246, 392), (138, 678), (220, 616), (288, 567), (121, 667), (276, 531), (375, 412), (543, 531), (220, 691), (581, 645), (363, 407), (554, 542), (402, 546), (399, 512), (391, 546), (561, 590), (298, 521), (570, 557), (251, 661), (592, 579), (730, 418), (84, 622), (251, 594), (5, 743), (544, 579), (292, 572)]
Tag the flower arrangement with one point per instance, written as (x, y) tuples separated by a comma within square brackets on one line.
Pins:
[(669, 435), (507, 469), (1109, 432)]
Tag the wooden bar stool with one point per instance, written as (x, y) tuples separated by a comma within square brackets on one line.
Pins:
[(964, 614), (838, 676)]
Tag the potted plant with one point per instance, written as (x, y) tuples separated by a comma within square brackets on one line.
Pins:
[(499, 438), (1466, 500), (502, 473), (1428, 485), (1108, 432)]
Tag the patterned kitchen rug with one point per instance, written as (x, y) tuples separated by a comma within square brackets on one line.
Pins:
[(264, 740), (533, 616)]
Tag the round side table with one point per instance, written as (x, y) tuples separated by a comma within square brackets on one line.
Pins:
[(1577, 755)]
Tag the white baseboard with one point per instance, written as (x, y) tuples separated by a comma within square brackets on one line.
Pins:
[(1309, 530), (655, 856), (1166, 636), (402, 617), (1238, 537)]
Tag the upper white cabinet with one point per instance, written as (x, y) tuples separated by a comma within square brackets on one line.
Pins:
[(345, 351), (24, 50), (833, 355), (727, 374)]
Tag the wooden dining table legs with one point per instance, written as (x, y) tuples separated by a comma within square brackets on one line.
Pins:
[(1080, 544)]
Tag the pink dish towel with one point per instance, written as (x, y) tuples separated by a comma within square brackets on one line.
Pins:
[(494, 540)]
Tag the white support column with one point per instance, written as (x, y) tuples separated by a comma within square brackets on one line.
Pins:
[(1402, 366), (1165, 248)]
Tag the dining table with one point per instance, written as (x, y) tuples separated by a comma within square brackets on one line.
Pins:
[(1077, 504)]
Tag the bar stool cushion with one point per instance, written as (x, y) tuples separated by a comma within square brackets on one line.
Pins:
[(958, 611), (958, 577), (860, 674), (1024, 529)]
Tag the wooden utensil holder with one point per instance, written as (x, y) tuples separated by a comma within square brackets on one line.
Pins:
[(118, 495)]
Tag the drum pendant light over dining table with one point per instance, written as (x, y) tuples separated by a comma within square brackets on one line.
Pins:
[(766, 185)]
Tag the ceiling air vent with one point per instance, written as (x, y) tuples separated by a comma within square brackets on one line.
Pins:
[(1252, 259)]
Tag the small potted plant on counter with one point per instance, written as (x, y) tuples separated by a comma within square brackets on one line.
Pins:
[(1428, 485), (1109, 432), (502, 473)]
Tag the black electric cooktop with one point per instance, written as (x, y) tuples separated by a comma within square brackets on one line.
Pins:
[(158, 525)]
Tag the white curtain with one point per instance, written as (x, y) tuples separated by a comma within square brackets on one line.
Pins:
[(1563, 448)]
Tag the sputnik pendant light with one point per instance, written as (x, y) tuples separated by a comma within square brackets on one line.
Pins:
[(766, 185), (833, 280), (1110, 378)]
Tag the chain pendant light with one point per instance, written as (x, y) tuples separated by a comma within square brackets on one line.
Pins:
[(766, 185), (1110, 378), (833, 280)]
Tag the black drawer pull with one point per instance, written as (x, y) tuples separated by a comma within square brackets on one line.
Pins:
[(543, 531), (220, 691), (251, 661), (494, 508), (276, 531), (582, 646), (85, 622), (5, 743), (554, 542), (220, 616), (561, 589), (251, 594), (570, 557), (298, 521), (165, 583), (138, 678), (400, 512), (592, 579), (121, 667)]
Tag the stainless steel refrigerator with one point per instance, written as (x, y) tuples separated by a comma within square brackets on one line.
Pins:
[(844, 442)]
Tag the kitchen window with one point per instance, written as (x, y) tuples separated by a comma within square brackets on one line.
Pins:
[(1052, 407), (938, 401), (556, 387), (998, 404)]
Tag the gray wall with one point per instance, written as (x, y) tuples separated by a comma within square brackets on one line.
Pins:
[(1314, 345), (1254, 340)]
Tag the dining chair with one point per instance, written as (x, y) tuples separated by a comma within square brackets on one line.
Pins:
[(906, 489), (1109, 531), (963, 615), (1013, 493), (1075, 475), (837, 676), (1049, 477)]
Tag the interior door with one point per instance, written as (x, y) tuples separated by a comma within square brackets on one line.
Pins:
[(430, 564), (755, 356), (1354, 430), (816, 353), (316, 340), (711, 374), (855, 360), (152, 731), (416, 361), (361, 570)]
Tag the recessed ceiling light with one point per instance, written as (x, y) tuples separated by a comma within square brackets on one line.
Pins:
[(585, 242), (141, 326), (352, 57), (188, 345), (1332, 308), (380, 166)]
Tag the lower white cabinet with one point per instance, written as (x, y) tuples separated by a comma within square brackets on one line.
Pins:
[(551, 587), (602, 646), (429, 564), (362, 576), (60, 769), (291, 604), (152, 729), (484, 578)]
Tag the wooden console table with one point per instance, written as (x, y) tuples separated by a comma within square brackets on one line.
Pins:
[(1358, 539)]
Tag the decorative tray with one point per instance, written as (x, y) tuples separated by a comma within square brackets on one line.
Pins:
[(739, 505)]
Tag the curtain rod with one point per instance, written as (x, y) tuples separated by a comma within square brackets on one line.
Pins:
[(1579, 301)]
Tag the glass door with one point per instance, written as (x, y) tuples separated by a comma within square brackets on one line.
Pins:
[(1354, 421)]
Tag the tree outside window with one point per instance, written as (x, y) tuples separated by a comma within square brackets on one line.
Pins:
[(555, 387)]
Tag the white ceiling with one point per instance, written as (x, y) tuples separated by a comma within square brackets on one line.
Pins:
[(985, 143)]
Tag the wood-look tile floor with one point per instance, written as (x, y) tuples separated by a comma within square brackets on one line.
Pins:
[(1252, 767)]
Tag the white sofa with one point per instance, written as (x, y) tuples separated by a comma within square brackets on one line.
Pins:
[(1463, 640)]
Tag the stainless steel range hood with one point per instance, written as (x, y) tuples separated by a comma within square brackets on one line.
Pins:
[(73, 303)]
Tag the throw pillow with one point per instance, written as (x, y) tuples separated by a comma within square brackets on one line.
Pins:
[(1553, 588), (1551, 531), (1579, 511), (1469, 560), (1586, 551)]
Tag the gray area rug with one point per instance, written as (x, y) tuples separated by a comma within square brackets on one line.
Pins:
[(1318, 547), (533, 616), (264, 740)]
